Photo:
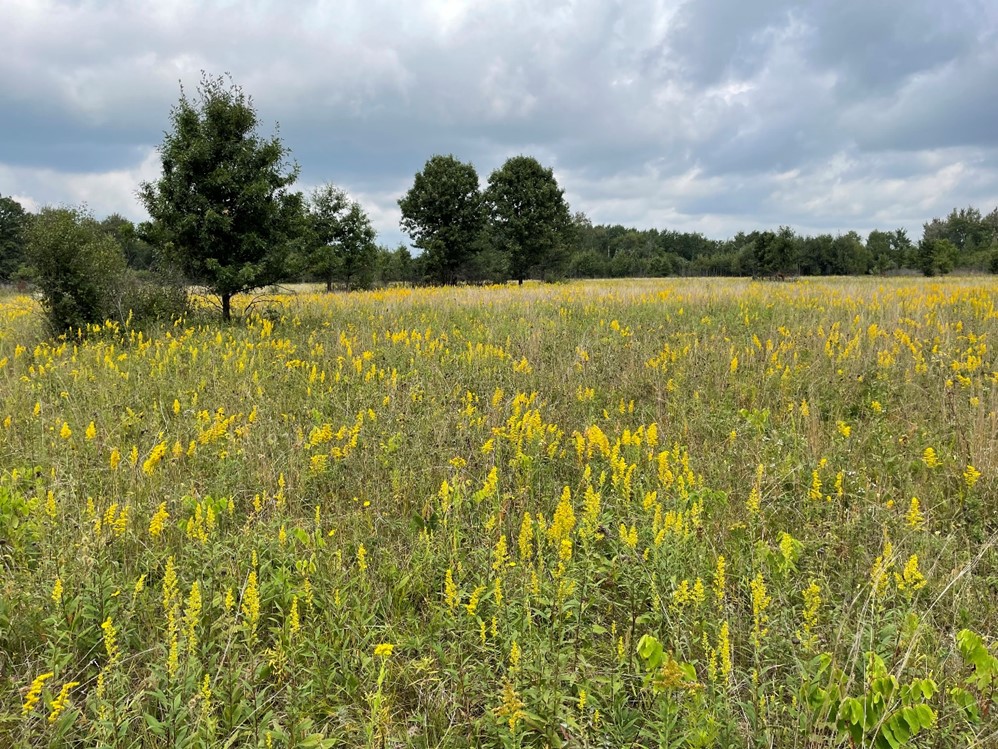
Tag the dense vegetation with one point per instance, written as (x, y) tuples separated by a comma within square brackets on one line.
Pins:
[(657, 513)]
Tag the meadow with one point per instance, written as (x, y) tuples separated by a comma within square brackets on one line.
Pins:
[(603, 514)]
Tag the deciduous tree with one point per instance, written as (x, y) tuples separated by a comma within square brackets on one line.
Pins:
[(529, 218), (224, 200), (443, 214), (341, 239)]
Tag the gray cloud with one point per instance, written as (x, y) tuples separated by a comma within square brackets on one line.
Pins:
[(707, 115)]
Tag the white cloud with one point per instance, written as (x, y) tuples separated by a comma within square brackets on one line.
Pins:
[(698, 115)]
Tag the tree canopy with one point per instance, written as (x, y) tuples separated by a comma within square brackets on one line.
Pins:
[(443, 214), (529, 218), (341, 241), (223, 201), (13, 222)]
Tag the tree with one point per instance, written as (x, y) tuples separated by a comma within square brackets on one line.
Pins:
[(139, 254), (79, 268), (223, 201), (935, 256), (443, 214), (341, 242), (529, 218), (13, 222)]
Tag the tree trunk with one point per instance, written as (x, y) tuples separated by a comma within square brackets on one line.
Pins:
[(519, 282), (329, 285), (226, 307)]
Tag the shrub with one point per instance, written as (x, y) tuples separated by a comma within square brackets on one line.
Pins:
[(78, 267)]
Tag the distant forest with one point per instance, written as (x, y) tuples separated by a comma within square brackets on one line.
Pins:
[(966, 240)]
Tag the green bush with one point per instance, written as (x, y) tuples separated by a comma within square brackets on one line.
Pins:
[(146, 296), (79, 268)]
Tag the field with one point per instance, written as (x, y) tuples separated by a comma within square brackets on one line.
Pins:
[(645, 513)]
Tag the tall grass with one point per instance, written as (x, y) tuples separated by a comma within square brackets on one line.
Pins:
[(652, 513)]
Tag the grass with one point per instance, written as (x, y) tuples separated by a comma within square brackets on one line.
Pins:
[(637, 513)]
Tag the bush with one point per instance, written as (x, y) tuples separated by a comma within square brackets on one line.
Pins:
[(146, 296), (79, 268)]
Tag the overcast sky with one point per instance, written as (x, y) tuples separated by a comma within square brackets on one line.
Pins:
[(706, 115)]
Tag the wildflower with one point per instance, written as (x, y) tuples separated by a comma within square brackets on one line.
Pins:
[(970, 476), (812, 602), (383, 650), (59, 703), (57, 591), (472, 605), (719, 578), (499, 554), (51, 509), (911, 578), (192, 617), (133, 455), (251, 603), (294, 619), (914, 516), (564, 517), (876, 407), (34, 692), (140, 585), (930, 458), (65, 432), (879, 573), (815, 491), (844, 429), (629, 537), (724, 650), (110, 641), (514, 656), (362, 558), (760, 602), (526, 537), (115, 459), (512, 706), (91, 431)]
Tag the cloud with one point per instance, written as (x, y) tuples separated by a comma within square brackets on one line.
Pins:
[(703, 115)]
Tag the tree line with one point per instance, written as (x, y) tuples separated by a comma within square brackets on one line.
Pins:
[(224, 216)]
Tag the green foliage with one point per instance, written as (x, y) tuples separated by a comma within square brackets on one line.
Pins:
[(223, 202), (341, 240), (77, 266), (13, 222), (443, 214), (529, 218)]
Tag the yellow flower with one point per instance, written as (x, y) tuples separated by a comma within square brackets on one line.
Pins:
[(911, 578), (914, 516), (158, 521), (362, 558), (59, 703), (929, 458), (472, 605), (111, 641), (65, 432), (383, 650), (115, 459), (760, 602), (844, 429), (57, 591), (91, 431), (34, 692), (719, 579), (970, 476)]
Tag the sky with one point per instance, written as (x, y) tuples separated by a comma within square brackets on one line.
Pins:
[(711, 116)]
